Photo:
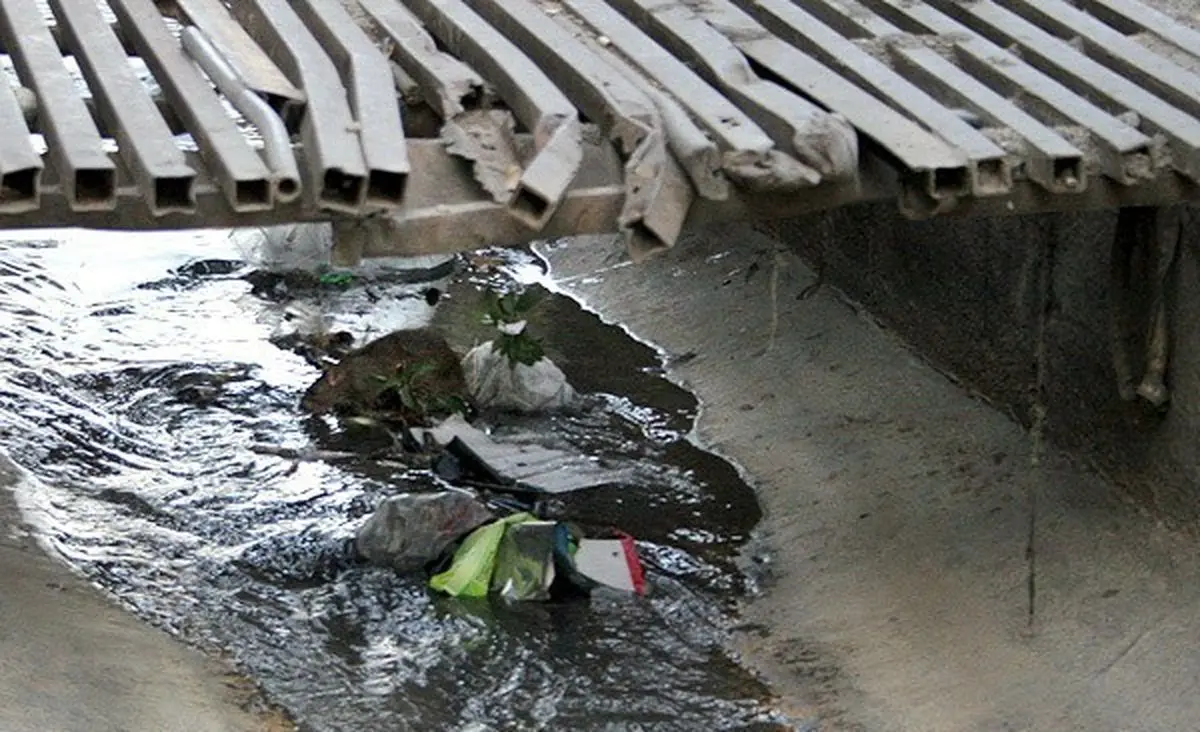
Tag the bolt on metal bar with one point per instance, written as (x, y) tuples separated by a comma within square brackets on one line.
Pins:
[(373, 97), (144, 140), (336, 173), (277, 147), (239, 171), (86, 173), (535, 100)]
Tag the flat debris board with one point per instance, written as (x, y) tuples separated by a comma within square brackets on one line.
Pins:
[(465, 123)]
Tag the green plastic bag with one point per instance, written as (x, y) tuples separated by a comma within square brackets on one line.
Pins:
[(470, 574)]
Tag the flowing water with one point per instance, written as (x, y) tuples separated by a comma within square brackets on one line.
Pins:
[(136, 381)]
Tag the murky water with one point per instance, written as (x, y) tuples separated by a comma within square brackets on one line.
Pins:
[(136, 391)]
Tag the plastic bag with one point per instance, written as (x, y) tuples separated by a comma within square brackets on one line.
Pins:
[(496, 382), (470, 575), (411, 529), (525, 561)]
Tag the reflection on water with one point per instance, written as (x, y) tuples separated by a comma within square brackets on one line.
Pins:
[(135, 397)]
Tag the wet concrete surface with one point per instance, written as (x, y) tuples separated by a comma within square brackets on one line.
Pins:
[(73, 661), (920, 572)]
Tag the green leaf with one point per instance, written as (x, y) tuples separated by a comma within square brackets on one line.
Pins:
[(337, 279)]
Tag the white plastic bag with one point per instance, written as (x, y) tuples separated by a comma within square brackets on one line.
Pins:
[(495, 382)]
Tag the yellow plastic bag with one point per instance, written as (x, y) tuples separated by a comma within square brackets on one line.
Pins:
[(470, 574)]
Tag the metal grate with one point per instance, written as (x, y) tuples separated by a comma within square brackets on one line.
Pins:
[(472, 122)]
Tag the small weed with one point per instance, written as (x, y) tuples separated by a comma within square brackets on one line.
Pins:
[(410, 387), (508, 312)]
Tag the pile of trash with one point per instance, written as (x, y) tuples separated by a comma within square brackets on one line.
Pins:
[(493, 539), (471, 553)]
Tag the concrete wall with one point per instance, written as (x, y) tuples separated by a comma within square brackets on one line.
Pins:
[(967, 294)]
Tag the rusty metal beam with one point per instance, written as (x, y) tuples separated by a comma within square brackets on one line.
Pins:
[(535, 100), (144, 140), (76, 148), (368, 77), (336, 174), (238, 169)]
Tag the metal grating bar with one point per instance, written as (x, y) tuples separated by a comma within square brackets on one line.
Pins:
[(76, 148), (240, 172), (255, 68), (699, 155), (336, 172), (1142, 17), (144, 140), (750, 157), (827, 144), (372, 96), (277, 143), (535, 100), (1057, 58), (448, 85), (936, 169), (1124, 152), (658, 196), (732, 129), (20, 165), (989, 170), (1050, 160), (1161, 76)]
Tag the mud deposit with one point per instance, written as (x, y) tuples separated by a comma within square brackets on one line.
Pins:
[(137, 379)]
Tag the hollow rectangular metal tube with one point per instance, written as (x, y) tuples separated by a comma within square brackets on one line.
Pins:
[(143, 138), (535, 100), (1120, 145), (334, 167), (252, 64), (20, 165), (368, 76), (448, 85), (987, 169), (658, 197), (1090, 78), (76, 149), (239, 170)]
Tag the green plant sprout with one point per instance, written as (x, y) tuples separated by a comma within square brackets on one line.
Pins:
[(512, 309), (409, 385)]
